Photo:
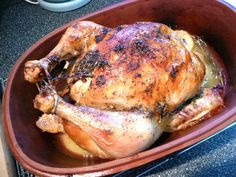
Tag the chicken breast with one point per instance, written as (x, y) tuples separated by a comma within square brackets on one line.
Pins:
[(142, 66)]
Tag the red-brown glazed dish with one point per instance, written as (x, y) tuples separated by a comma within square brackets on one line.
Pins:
[(214, 21)]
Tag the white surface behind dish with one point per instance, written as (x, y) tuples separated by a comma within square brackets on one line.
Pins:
[(232, 2), (62, 6)]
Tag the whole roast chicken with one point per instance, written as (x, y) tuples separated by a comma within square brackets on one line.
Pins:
[(126, 85)]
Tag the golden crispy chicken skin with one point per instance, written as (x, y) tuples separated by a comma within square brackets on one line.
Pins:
[(130, 84), (143, 67)]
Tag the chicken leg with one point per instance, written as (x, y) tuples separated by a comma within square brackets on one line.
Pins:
[(77, 40), (210, 102), (118, 134)]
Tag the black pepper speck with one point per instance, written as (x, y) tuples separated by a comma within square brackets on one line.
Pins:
[(137, 75), (105, 31), (100, 80), (119, 47), (98, 38), (141, 45)]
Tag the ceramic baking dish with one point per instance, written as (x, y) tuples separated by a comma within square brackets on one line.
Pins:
[(214, 21)]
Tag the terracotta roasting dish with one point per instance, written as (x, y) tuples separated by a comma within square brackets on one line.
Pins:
[(214, 21)]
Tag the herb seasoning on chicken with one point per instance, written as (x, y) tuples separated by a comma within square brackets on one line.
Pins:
[(141, 79)]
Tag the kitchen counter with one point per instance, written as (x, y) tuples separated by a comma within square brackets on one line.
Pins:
[(22, 24)]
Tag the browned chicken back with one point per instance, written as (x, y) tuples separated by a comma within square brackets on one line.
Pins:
[(140, 66)]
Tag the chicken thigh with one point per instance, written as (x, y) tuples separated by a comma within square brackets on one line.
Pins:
[(130, 84)]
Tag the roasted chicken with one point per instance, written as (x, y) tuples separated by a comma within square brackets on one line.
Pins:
[(128, 84)]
